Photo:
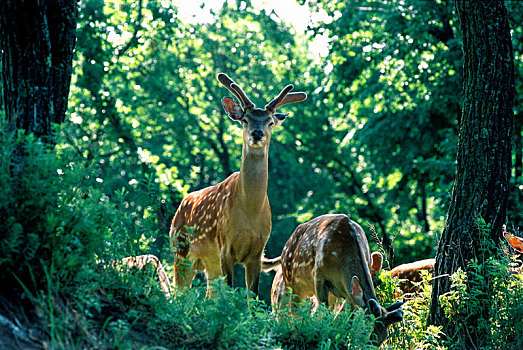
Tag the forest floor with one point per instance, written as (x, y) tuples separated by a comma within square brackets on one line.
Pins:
[(17, 331)]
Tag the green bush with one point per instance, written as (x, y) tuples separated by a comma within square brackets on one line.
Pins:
[(489, 281), (124, 310), (49, 227), (57, 222), (413, 332)]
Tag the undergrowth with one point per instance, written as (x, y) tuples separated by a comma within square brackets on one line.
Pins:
[(123, 314), (413, 332), (61, 229), (488, 297)]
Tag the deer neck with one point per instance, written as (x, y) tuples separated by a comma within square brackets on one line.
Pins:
[(254, 172)]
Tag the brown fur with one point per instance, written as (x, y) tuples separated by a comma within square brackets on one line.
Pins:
[(222, 231), (231, 221), (331, 249), (410, 274)]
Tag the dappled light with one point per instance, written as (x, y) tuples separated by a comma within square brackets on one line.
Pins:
[(129, 164)]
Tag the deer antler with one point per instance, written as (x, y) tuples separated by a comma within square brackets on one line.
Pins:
[(236, 90), (285, 97)]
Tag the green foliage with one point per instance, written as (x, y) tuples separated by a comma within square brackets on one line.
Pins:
[(413, 332), (396, 72), (376, 139), (297, 329), (47, 222), (488, 297), (57, 223), (117, 311)]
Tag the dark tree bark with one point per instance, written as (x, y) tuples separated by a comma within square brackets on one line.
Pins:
[(37, 38), (481, 186), (519, 148)]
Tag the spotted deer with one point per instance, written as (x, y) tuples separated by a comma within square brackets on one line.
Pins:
[(139, 263), (278, 290), (409, 274), (229, 223), (330, 254)]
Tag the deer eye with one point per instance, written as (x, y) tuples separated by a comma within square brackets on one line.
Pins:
[(271, 124), (245, 122)]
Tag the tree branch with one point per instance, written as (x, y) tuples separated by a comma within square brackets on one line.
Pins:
[(137, 27)]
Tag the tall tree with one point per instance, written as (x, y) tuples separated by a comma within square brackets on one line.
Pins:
[(37, 39), (481, 186)]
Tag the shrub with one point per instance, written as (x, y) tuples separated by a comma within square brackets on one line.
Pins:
[(413, 332), (488, 296)]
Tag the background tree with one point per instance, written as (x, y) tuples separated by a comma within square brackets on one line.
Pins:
[(395, 70), (515, 208), (37, 40), (481, 187)]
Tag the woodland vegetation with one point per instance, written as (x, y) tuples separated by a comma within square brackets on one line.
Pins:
[(379, 138)]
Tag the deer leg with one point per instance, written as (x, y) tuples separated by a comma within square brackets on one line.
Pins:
[(252, 275), (322, 291), (212, 272), (227, 267)]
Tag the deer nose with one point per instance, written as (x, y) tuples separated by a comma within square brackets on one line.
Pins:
[(257, 135)]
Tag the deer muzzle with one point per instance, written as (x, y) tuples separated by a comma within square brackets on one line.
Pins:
[(257, 138)]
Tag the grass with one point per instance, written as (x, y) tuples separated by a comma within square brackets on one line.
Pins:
[(59, 225)]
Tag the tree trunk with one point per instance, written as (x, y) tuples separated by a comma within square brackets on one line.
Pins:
[(481, 186), (37, 38), (519, 148)]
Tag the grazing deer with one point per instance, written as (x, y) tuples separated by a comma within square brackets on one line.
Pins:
[(140, 262), (330, 254), (231, 220), (409, 274), (279, 287)]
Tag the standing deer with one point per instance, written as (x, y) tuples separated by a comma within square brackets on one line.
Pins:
[(231, 220), (330, 254)]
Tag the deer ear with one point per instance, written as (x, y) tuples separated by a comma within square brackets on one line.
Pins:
[(356, 291), (280, 117), (374, 308), (394, 306), (233, 109), (376, 263)]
